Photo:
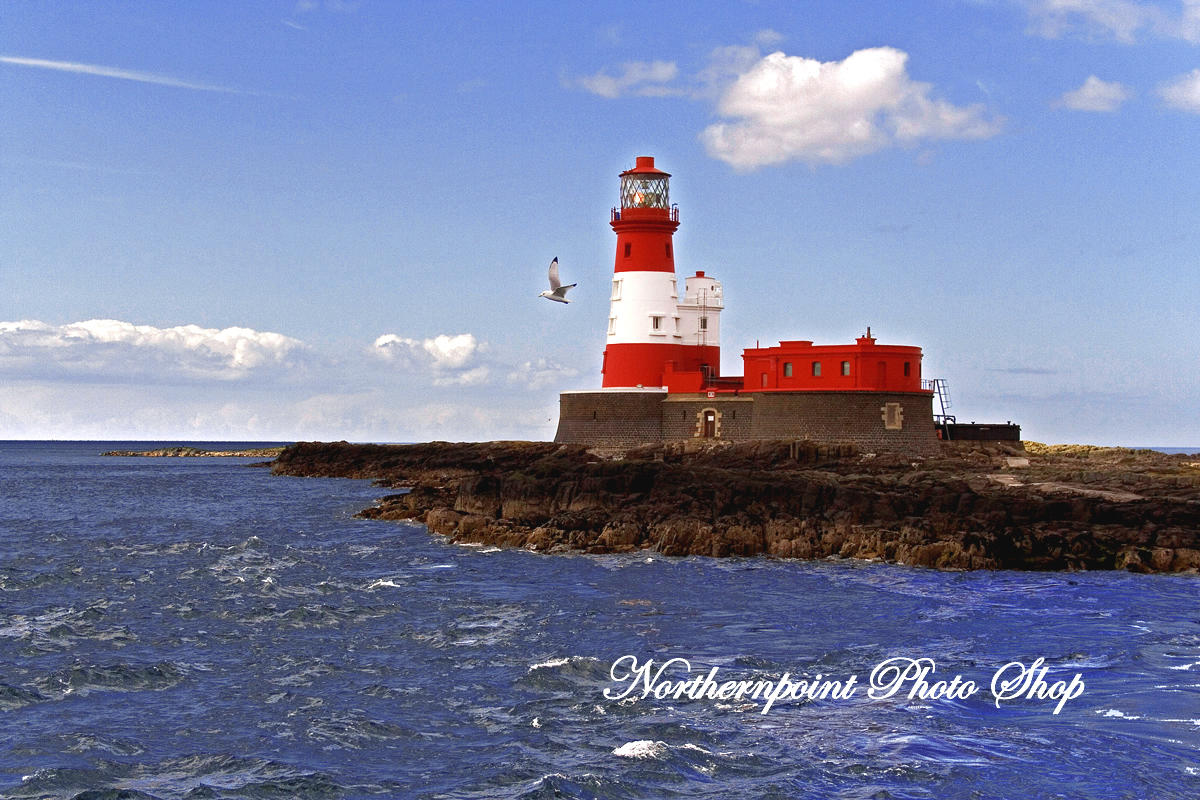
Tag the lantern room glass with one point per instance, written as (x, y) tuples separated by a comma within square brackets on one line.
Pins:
[(645, 191)]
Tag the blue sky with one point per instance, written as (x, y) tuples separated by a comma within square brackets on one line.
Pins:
[(331, 220)]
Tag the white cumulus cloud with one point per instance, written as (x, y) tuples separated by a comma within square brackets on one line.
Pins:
[(449, 359), (786, 108), (1095, 95), (443, 352), (1122, 20), (471, 377), (540, 374), (111, 349), (1182, 92), (641, 78)]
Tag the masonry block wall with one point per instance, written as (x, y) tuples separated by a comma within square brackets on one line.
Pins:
[(877, 422), (859, 417), (610, 419)]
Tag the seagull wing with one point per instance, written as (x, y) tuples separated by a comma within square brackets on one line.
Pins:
[(554, 281)]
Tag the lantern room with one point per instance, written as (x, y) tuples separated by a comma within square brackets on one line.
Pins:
[(645, 187)]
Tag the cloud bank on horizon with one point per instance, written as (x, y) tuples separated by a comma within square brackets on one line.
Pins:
[(106, 349), (238, 382)]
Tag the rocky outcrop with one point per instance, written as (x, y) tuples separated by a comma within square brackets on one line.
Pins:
[(186, 452), (964, 509)]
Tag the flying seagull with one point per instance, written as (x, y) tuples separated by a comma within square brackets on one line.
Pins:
[(558, 292)]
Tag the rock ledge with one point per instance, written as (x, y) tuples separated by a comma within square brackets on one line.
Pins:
[(1044, 508)]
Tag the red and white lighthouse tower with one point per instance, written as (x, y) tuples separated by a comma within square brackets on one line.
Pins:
[(648, 326)]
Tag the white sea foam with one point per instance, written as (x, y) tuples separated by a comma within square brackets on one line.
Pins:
[(1112, 712), (554, 662), (643, 748), (389, 582)]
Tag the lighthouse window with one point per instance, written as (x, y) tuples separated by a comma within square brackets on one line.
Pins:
[(656, 323), (612, 325), (704, 323), (668, 250), (906, 368), (616, 290), (816, 369), (628, 249), (764, 380), (787, 369), (845, 367)]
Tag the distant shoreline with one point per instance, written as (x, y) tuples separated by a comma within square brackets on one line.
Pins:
[(196, 452)]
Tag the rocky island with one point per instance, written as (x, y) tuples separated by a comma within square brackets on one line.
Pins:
[(196, 452), (1041, 508)]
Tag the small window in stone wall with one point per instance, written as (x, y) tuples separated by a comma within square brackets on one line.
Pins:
[(628, 249), (893, 416), (656, 323), (907, 368), (668, 251), (845, 367), (612, 325), (816, 369), (787, 369)]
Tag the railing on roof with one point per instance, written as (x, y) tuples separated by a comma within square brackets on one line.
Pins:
[(941, 390), (673, 213)]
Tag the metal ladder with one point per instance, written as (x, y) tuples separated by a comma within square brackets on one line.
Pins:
[(942, 391)]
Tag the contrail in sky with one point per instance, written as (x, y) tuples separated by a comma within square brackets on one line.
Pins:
[(113, 72)]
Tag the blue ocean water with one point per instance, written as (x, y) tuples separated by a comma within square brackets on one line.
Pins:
[(194, 628)]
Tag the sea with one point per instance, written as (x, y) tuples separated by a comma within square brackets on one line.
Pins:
[(198, 628)]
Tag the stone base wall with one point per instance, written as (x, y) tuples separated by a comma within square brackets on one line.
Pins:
[(610, 419), (877, 422), (858, 417)]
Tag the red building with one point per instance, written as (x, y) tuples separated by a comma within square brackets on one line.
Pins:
[(804, 367)]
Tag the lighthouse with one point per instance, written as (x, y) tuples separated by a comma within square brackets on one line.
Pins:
[(661, 375), (650, 328)]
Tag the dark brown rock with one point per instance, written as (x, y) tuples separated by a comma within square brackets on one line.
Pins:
[(965, 509)]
